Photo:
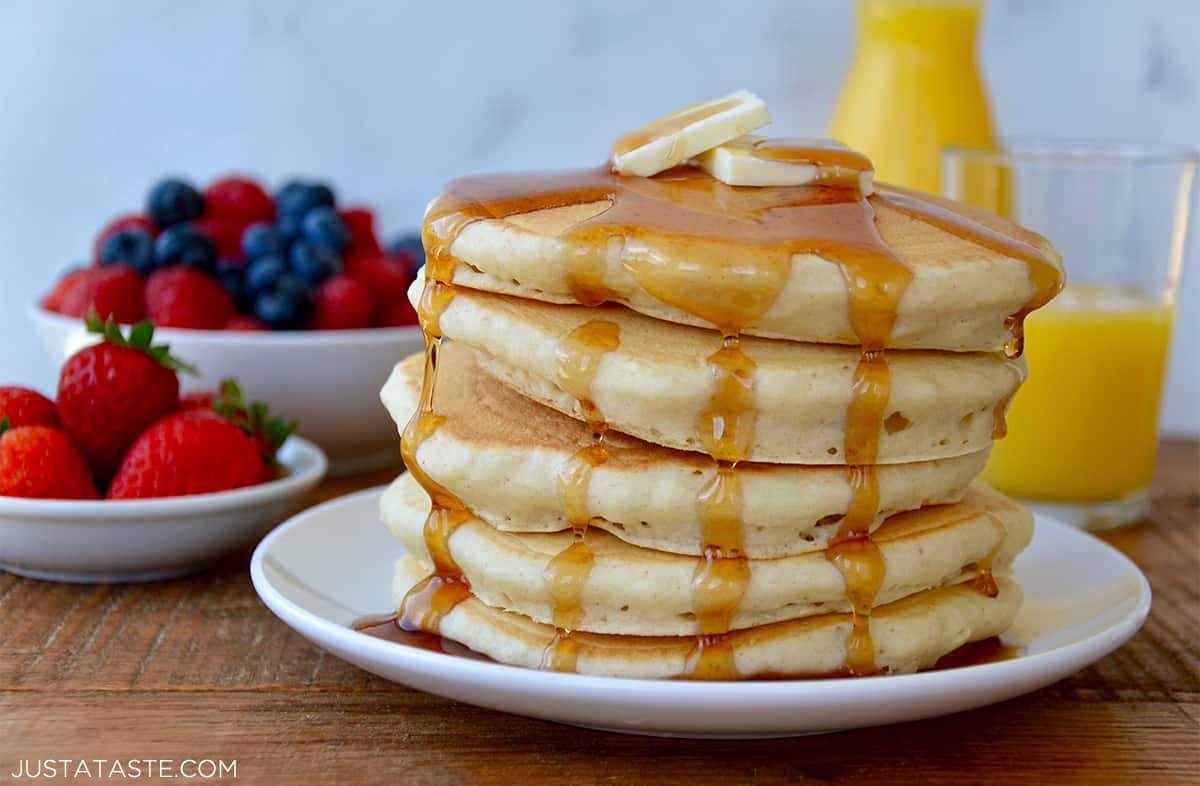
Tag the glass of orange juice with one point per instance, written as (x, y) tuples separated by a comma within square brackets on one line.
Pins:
[(1082, 431)]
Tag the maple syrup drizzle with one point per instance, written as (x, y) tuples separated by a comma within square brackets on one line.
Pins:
[(984, 582), (819, 152), (430, 600), (1000, 418), (711, 658), (561, 654), (720, 581), (670, 124), (726, 425), (862, 569), (1043, 273), (578, 355)]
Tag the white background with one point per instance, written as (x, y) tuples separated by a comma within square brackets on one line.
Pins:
[(392, 99)]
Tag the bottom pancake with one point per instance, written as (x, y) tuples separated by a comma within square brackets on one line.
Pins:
[(907, 635)]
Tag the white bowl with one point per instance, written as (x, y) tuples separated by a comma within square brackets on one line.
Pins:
[(327, 380), (149, 539)]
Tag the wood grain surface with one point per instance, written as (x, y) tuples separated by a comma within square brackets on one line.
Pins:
[(197, 668)]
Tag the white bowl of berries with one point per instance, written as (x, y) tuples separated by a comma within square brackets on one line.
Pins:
[(122, 479), (291, 295)]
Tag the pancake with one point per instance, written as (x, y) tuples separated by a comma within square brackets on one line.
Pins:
[(960, 295), (503, 455), (632, 590), (909, 634), (656, 382)]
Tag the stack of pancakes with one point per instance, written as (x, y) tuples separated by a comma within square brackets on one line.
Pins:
[(665, 427)]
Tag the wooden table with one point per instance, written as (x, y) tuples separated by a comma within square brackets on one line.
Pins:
[(199, 669)]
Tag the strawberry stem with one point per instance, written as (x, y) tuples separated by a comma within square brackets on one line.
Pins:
[(255, 419), (141, 337)]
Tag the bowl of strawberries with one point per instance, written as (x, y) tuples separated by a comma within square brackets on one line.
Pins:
[(291, 293), (122, 478)]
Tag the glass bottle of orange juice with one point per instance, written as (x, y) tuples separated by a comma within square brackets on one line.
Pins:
[(913, 87)]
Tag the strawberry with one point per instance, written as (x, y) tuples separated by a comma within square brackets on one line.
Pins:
[(184, 297), (342, 304), (41, 462), (361, 223), (244, 322), (108, 393), (200, 450), (191, 452), (111, 291), (25, 407), (53, 299), (398, 313), (225, 233), (127, 221), (239, 199), (386, 277)]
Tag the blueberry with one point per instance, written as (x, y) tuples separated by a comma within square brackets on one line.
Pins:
[(286, 305), (287, 226), (408, 244), (173, 201), (260, 240), (262, 274), (322, 226), (132, 246), (232, 275), (297, 198), (410, 247), (184, 244), (313, 263)]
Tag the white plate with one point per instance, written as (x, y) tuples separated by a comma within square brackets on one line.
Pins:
[(333, 564), (108, 541)]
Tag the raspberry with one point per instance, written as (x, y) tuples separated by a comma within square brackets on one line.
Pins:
[(386, 277), (113, 290), (126, 221), (361, 223), (396, 314), (244, 322), (238, 199), (53, 299), (183, 297), (225, 233), (342, 304)]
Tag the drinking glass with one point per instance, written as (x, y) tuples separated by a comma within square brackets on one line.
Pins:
[(1083, 430)]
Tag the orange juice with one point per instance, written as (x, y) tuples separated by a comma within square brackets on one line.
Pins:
[(1084, 425), (913, 87)]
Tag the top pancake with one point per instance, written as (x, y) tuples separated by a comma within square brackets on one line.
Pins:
[(960, 295)]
